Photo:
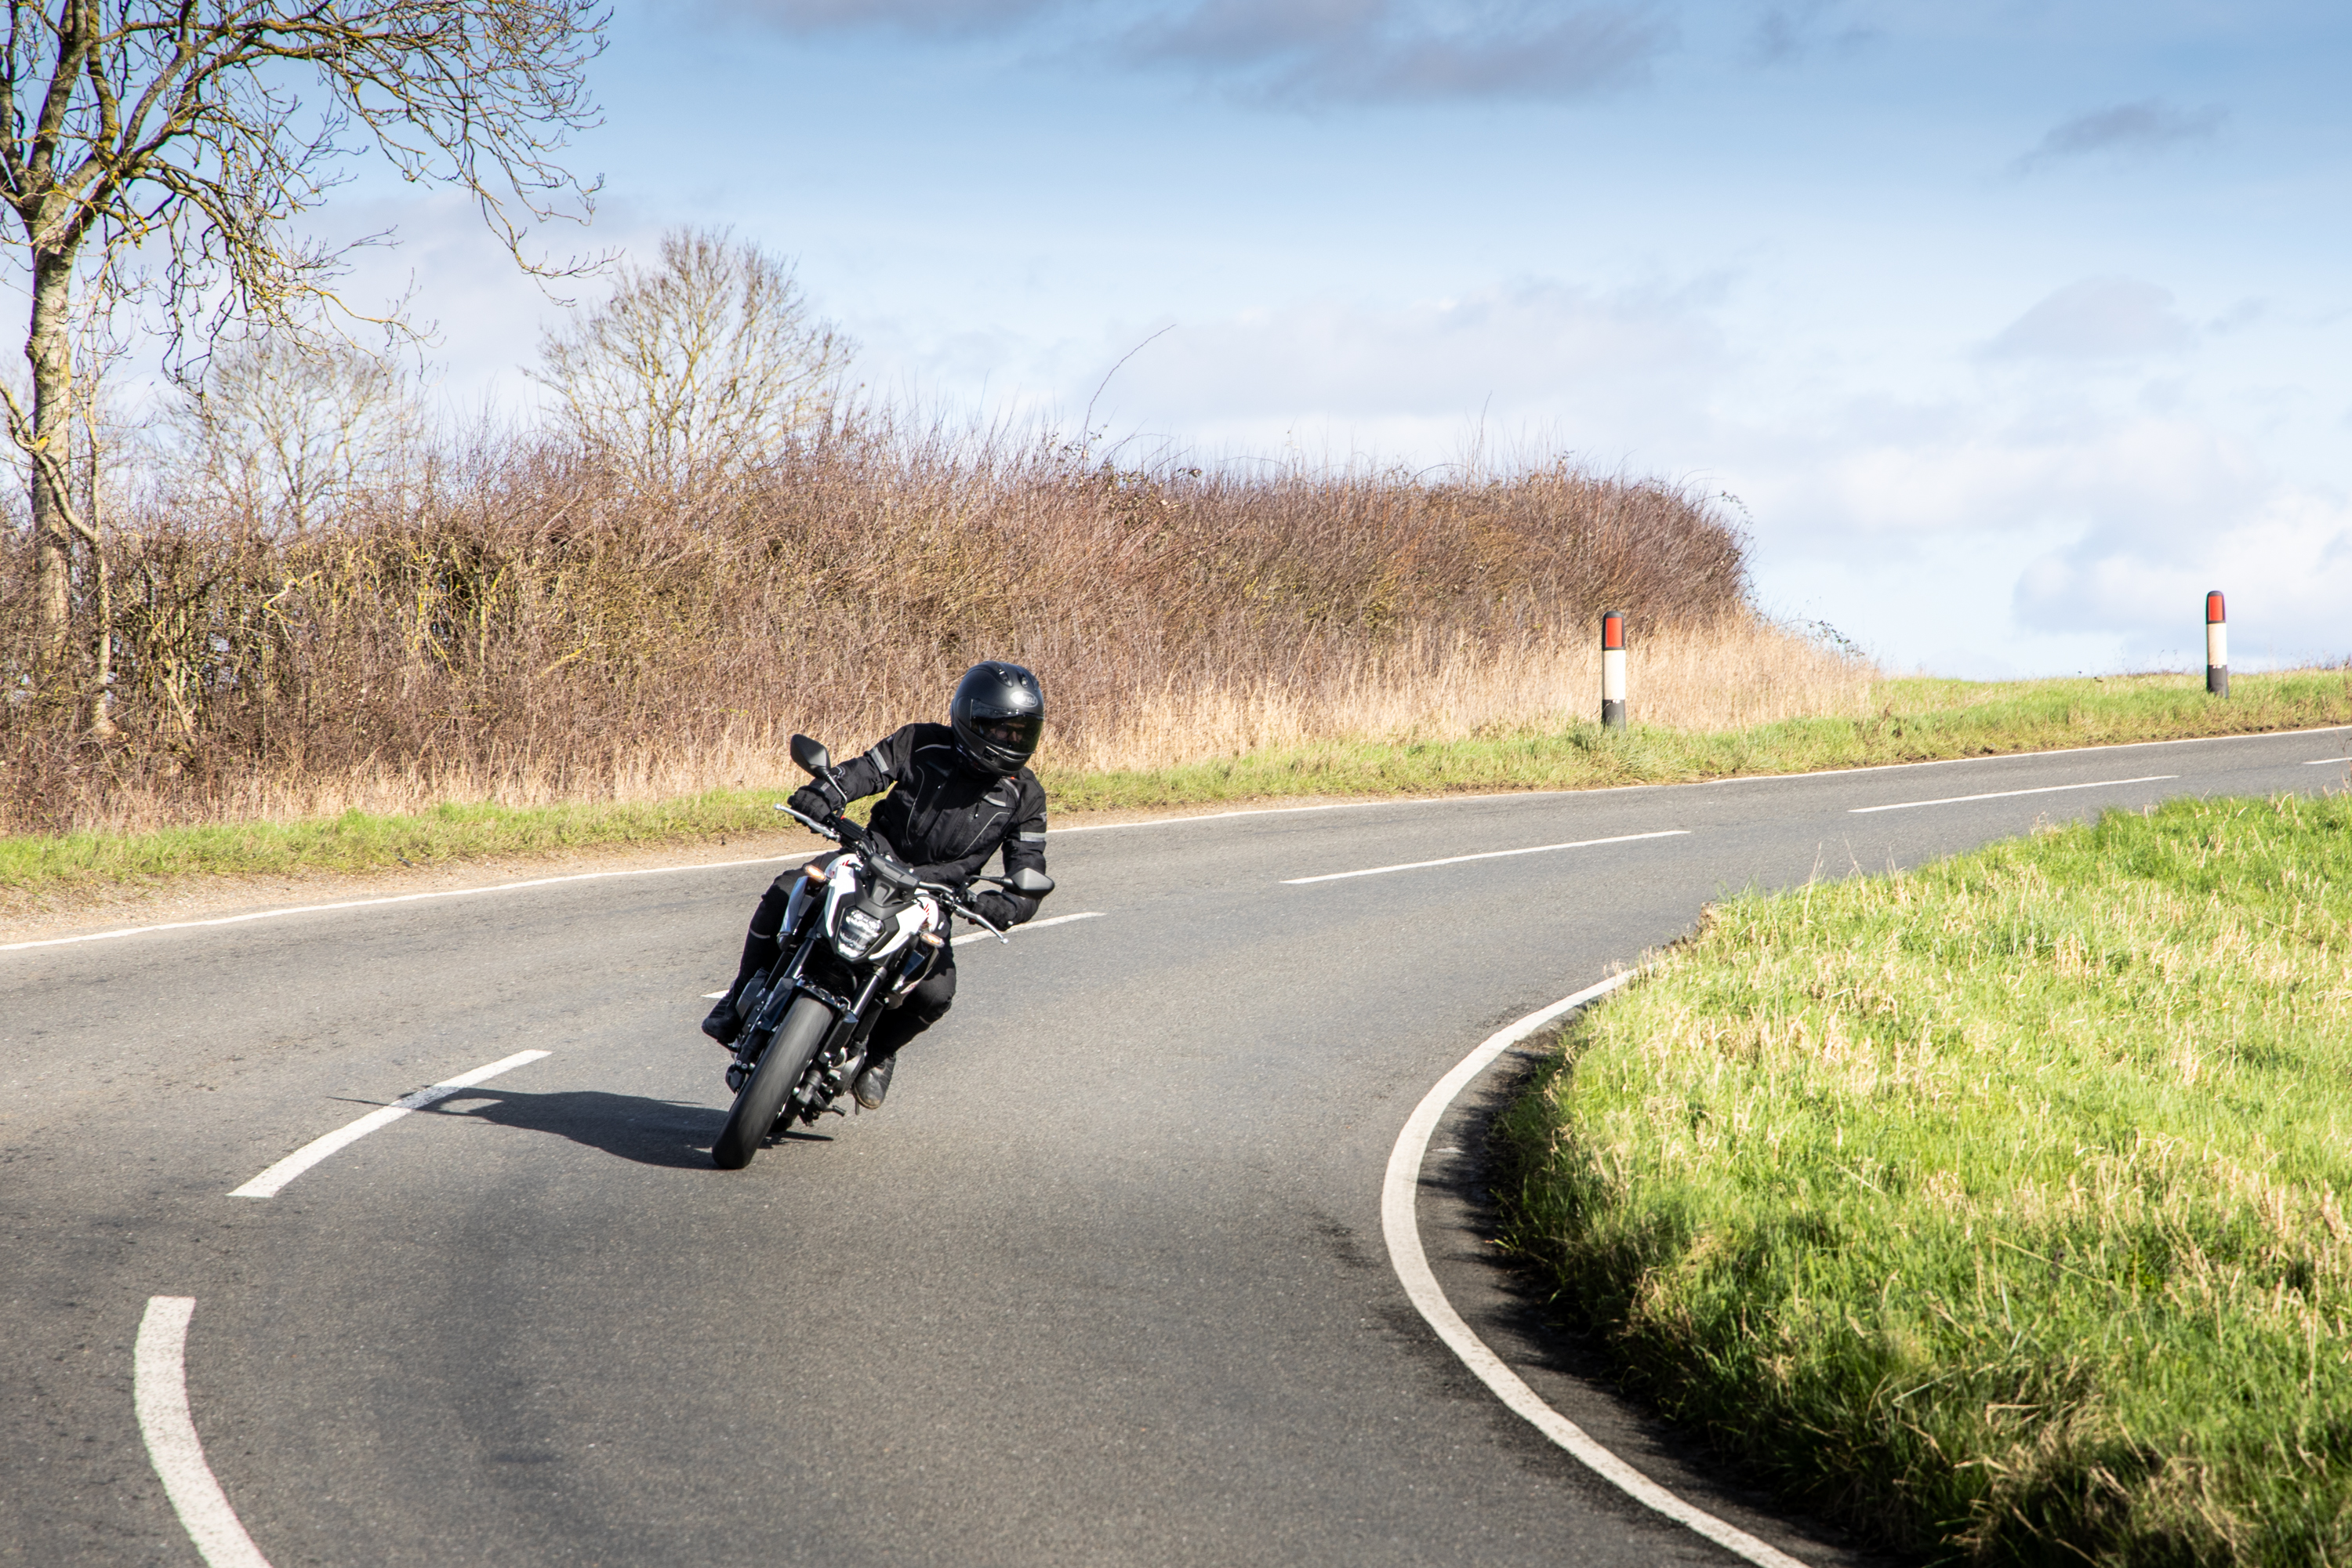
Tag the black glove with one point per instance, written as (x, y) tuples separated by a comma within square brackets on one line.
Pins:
[(814, 801), (1005, 910)]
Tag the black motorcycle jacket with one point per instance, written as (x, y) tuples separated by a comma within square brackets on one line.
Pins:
[(945, 818)]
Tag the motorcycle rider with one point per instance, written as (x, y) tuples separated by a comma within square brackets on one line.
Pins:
[(959, 791)]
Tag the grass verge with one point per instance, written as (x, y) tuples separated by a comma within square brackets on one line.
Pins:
[(357, 841), (1996, 1207), (1919, 720)]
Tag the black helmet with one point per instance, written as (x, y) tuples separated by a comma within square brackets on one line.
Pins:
[(998, 712)]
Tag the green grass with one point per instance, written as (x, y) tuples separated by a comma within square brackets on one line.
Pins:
[(1919, 720), (357, 841), (1996, 1207)]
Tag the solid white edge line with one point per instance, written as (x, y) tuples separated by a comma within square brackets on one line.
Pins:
[(1158, 821), (1489, 855), (1735, 779), (1402, 1230), (2015, 756), (159, 1391), (268, 1184), (1032, 925), (2008, 793), (394, 898), (2323, 762)]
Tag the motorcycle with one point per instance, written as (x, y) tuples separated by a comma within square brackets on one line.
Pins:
[(860, 932)]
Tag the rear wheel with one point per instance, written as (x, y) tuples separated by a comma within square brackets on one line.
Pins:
[(797, 1038)]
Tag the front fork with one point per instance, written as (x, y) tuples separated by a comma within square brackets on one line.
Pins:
[(843, 1050), (760, 1005)]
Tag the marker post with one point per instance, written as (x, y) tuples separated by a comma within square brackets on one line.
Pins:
[(2217, 647), (1612, 670)]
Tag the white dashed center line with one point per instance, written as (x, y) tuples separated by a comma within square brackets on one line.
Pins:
[(267, 1183), (1489, 855), (1032, 925), (2006, 794)]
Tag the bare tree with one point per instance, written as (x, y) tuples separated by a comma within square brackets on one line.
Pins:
[(179, 130), (281, 432), (84, 461), (695, 366)]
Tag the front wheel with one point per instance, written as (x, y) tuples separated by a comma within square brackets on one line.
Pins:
[(797, 1038)]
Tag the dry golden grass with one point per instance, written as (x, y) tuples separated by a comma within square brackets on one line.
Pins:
[(1729, 674), (1734, 674)]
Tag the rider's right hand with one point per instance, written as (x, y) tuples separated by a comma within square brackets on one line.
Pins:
[(812, 802)]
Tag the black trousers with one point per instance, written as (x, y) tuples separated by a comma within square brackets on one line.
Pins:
[(926, 1004)]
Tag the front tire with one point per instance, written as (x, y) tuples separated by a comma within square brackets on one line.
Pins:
[(797, 1038)]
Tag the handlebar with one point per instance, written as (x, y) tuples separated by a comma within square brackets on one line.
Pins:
[(844, 832), (820, 829)]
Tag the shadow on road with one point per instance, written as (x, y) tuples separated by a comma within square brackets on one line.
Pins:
[(665, 1133)]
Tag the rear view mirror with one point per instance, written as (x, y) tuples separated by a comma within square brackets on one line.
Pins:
[(812, 756), (1030, 881)]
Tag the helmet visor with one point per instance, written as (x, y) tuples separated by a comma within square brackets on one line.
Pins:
[(1012, 734)]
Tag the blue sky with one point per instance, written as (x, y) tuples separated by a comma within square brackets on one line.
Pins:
[(2013, 328)]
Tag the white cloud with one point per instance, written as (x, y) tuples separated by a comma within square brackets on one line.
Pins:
[(2283, 558), (1613, 368), (2095, 319)]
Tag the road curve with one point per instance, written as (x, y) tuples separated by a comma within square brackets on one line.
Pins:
[(1104, 1283)]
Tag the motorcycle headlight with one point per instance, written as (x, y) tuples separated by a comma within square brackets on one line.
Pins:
[(856, 933)]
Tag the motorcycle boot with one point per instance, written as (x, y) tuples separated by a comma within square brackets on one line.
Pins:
[(873, 1083), (722, 1025)]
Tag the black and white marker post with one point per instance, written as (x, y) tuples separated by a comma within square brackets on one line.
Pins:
[(1612, 670), (2217, 645)]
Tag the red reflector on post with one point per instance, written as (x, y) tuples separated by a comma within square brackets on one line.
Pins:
[(2217, 647), (1612, 630)]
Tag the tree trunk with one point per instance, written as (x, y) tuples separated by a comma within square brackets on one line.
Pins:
[(101, 700), (50, 351)]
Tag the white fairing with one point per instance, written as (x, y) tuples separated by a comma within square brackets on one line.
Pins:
[(906, 924)]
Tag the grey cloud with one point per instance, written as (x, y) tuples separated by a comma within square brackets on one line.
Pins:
[(1788, 33), (939, 18), (2143, 128), (2098, 318), (1319, 51), (1294, 51), (2238, 317)]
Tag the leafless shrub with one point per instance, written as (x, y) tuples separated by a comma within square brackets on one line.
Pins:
[(519, 621)]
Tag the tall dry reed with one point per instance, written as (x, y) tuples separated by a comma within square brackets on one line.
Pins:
[(515, 622)]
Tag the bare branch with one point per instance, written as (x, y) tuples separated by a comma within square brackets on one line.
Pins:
[(697, 367), (207, 129)]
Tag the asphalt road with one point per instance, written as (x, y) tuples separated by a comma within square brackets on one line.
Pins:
[(1103, 1284)]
